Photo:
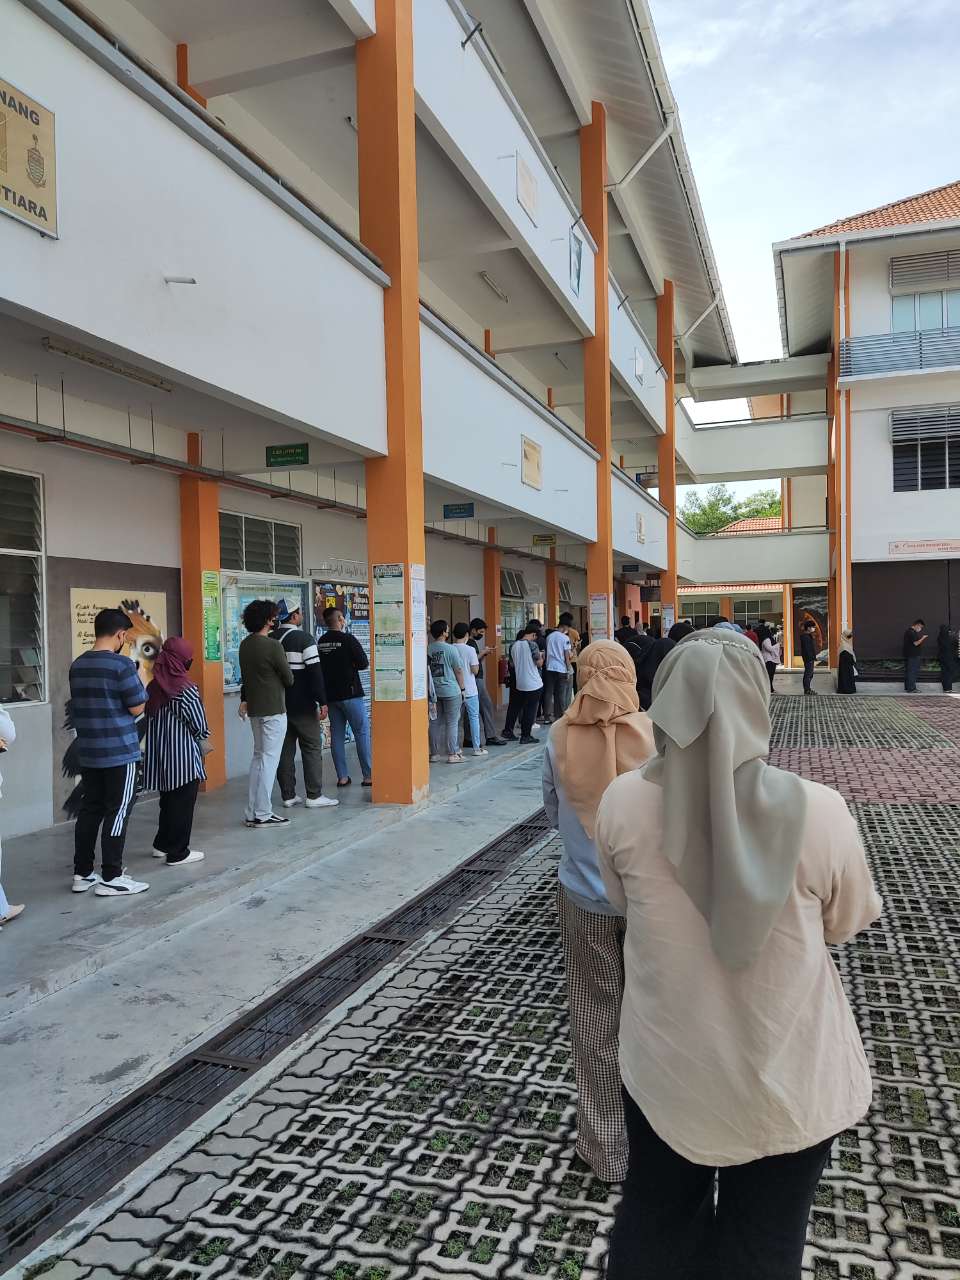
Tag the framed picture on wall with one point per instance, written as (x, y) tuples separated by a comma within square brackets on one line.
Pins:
[(531, 463)]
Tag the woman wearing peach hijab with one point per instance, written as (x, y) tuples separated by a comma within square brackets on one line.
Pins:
[(602, 734)]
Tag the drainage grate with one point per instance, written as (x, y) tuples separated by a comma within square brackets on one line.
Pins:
[(55, 1187)]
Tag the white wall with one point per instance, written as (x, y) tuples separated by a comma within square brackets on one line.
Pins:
[(808, 501), (752, 450), (870, 306), (786, 557), (27, 769), (278, 319), (100, 508), (454, 567), (465, 109), (628, 502), (626, 341), (472, 429)]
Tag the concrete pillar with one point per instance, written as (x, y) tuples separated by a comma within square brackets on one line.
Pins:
[(492, 560), (596, 363), (200, 599), (553, 589), (386, 151), (666, 444)]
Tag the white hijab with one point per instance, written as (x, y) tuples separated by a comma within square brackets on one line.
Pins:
[(732, 823)]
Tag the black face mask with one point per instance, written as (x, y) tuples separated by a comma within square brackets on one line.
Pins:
[(189, 664)]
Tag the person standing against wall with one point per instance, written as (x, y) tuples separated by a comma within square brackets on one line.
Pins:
[(173, 750), (808, 652), (306, 710), (478, 641), (106, 700), (8, 734), (470, 665), (447, 671), (342, 658), (914, 639), (265, 675)]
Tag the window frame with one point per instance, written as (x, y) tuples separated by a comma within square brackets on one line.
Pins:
[(915, 296), (41, 555), (267, 573)]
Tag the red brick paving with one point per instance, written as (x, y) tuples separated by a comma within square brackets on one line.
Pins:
[(911, 776)]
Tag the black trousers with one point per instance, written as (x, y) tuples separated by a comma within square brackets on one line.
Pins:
[(523, 705), (912, 670), (108, 798), (554, 691), (175, 821), (771, 672), (808, 667), (667, 1227)]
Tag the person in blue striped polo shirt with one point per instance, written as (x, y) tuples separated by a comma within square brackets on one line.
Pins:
[(106, 698)]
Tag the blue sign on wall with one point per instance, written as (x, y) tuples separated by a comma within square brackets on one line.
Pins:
[(458, 511)]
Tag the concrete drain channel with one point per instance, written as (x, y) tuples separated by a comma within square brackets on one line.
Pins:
[(59, 1184)]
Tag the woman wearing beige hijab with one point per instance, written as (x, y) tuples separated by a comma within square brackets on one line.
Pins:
[(738, 1050), (603, 733)]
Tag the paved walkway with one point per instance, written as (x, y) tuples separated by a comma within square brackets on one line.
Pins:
[(428, 1133)]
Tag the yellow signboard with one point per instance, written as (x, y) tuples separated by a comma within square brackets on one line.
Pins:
[(28, 160)]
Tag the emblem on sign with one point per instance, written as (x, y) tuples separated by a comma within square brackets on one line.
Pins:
[(36, 169)]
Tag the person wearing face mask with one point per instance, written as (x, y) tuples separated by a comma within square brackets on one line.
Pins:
[(177, 736), (106, 700)]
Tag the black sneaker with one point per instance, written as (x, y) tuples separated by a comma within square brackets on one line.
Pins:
[(509, 737), (273, 821), (497, 742), (525, 742)]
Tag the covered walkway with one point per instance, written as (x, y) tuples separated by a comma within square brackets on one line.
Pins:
[(427, 1132)]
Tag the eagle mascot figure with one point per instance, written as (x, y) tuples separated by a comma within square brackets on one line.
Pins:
[(143, 644)]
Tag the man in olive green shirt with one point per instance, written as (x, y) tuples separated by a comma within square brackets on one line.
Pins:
[(265, 675)]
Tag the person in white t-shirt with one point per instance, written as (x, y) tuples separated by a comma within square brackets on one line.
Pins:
[(471, 694), (557, 671), (527, 684)]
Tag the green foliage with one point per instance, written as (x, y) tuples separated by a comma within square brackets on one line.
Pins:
[(710, 511)]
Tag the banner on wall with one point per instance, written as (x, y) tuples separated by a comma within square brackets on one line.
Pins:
[(353, 601), (390, 637), (810, 605), (238, 592), (147, 610)]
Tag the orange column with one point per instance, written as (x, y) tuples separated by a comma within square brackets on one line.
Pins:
[(726, 607), (199, 554), (183, 74), (386, 151), (491, 614), (834, 504), (666, 444), (596, 362), (787, 625), (621, 601), (553, 589)]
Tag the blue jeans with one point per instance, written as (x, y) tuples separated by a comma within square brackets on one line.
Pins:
[(472, 708), (354, 712)]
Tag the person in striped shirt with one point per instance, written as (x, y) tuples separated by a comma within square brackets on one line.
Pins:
[(106, 699), (173, 758), (306, 710)]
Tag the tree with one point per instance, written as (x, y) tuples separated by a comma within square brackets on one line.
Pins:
[(709, 512), (765, 502)]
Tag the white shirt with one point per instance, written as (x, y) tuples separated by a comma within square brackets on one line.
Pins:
[(729, 1067), (558, 646), (526, 671), (771, 651), (470, 664)]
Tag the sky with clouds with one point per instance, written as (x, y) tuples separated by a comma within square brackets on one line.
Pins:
[(798, 112)]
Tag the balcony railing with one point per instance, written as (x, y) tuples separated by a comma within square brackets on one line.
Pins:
[(899, 352)]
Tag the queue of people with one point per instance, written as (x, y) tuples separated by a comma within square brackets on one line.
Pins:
[(715, 1053)]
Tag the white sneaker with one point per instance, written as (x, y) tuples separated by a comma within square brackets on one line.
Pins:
[(158, 853), (321, 802), (435, 759), (193, 856), (458, 759), (120, 887), (82, 883), (288, 804), (480, 751)]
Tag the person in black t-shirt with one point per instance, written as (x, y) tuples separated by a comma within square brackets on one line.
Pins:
[(913, 641), (808, 652), (342, 658)]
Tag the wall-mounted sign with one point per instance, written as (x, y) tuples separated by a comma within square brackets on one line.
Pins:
[(926, 547), (212, 617), (527, 189), (342, 570), (531, 463), (669, 618), (418, 631), (28, 160), (288, 455), (459, 510), (390, 634), (147, 611), (576, 261), (638, 364), (630, 568), (641, 528), (600, 620), (534, 591), (544, 539)]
